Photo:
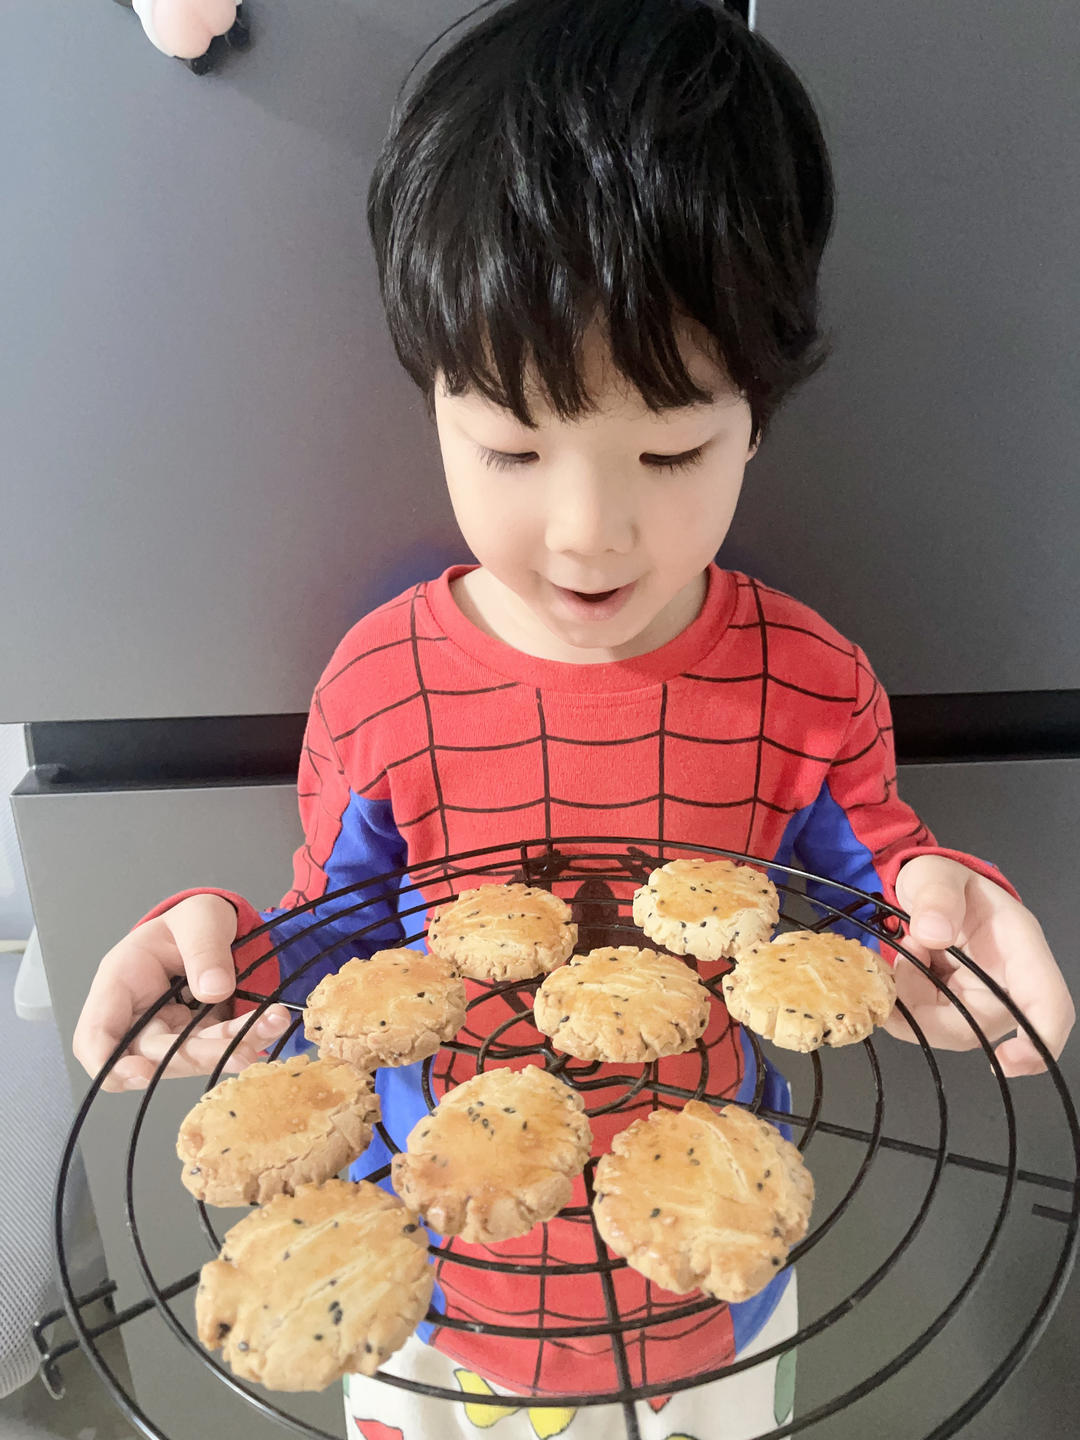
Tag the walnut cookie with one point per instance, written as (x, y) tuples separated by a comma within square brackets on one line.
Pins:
[(710, 909), (703, 1198), (808, 988), (620, 1003), (503, 932), (497, 1155), (392, 1009), (315, 1285), (273, 1127)]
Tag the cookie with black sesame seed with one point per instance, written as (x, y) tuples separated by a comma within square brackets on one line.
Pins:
[(706, 908), (273, 1127), (503, 932), (621, 1003), (808, 988), (397, 1007), (703, 1199), (498, 1154), (315, 1285)]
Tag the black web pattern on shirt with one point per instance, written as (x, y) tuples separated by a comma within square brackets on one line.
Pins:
[(451, 1069)]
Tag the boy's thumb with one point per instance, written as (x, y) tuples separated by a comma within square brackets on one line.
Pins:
[(204, 928), (932, 890)]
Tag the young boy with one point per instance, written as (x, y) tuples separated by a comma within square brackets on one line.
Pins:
[(598, 226)]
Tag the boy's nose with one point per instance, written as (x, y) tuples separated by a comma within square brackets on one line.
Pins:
[(590, 517)]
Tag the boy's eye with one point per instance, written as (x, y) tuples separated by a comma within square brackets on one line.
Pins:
[(675, 462), (501, 460)]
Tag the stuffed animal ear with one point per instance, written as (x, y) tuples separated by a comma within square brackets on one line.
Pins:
[(186, 28)]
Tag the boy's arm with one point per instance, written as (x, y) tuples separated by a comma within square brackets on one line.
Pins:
[(348, 839), (860, 831)]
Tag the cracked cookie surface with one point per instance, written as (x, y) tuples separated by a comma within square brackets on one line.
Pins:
[(497, 1155), (702, 1198), (392, 1009), (810, 988), (315, 1285), (503, 932), (706, 908), (621, 1003), (273, 1127)]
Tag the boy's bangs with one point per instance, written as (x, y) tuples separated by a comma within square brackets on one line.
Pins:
[(529, 346)]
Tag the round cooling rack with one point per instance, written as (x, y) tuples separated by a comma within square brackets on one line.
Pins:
[(846, 1153)]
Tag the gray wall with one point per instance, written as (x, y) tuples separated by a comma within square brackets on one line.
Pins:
[(213, 464)]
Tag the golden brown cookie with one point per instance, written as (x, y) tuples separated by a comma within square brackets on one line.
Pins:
[(315, 1285), (395, 1008), (703, 1198), (622, 1003), (805, 989), (274, 1127), (503, 932), (498, 1154), (707, 908)]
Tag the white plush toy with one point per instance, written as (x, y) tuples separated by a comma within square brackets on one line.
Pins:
[(185, 28)]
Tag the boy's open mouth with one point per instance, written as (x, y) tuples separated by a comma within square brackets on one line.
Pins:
[(594, 604)]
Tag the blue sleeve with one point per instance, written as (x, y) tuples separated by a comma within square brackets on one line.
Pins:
[(317, 938)]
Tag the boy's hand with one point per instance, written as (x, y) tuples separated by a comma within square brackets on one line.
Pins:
[(192, 939), (951, 905)]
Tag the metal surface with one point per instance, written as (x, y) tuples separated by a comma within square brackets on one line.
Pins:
[(1058, 1195)]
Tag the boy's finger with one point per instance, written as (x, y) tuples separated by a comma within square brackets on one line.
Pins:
[(203, 936), (203, 1048), (107, 1016)]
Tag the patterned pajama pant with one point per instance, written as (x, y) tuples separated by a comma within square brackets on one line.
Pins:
[(737, 1407)]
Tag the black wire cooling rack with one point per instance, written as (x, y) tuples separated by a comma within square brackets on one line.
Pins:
[(586, 869)]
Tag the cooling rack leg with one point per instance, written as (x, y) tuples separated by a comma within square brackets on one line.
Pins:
[(50, 1355)]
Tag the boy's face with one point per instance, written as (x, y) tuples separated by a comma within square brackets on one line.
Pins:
[(589, 508)]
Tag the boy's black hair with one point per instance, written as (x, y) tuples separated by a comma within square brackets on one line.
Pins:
[(631, 162)]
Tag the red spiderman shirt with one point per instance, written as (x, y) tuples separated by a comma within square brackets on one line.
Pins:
[(758, 729)]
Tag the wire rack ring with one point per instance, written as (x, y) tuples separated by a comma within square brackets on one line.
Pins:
[(599, 867)]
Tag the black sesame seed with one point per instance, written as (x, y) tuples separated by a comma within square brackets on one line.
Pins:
[(296, 1221), (226, 1150), (841, 1015), (233, 1114), (761, 1185), (409, 1229), (242, 1345), (524, 1124), (317, 1337), (420, 994), (195, 1170), (653, 1214), (286, 1255), (223, 1330), (790, 1009)]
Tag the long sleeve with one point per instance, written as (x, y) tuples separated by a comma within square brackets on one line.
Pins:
[(348, 839), (859, 830)]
